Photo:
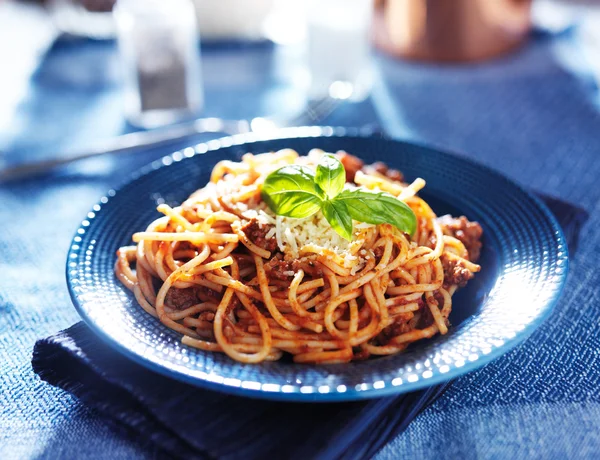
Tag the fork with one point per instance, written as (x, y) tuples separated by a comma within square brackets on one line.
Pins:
[(314, 112)]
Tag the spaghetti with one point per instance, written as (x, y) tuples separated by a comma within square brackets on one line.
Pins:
[(231, 276)]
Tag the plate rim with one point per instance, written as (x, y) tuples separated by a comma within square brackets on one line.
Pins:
[(350, 394)]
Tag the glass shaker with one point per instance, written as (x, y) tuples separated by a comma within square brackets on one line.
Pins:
[(158, 41)]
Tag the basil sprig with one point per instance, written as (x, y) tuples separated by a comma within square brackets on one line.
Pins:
[(331, 175), (296, 191), (292, 191)]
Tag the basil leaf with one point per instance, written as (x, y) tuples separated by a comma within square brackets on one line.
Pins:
[(291, 191), (378, 208), (331, 175), (336, 213)]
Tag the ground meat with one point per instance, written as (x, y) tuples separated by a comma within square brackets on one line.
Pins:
[(207, 295), (180, 299), (381, 168), (439, 298), (354, 164), (311, 268), (363, 322), (469, 233), (395, 175), (400, 326), (431, 241), (185, 246), (351, 164), (235, 303), (359, 354), (378, 251), (190, 212), (206, 316), (455, 272), (426, 318), (257, 232), (280, 269)]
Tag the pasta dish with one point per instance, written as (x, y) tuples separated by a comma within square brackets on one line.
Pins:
[(320, 257)]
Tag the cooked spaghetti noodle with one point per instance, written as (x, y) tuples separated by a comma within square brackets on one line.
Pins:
[(226, 272)]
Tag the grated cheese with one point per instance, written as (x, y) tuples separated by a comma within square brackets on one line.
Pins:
[(295, 237)]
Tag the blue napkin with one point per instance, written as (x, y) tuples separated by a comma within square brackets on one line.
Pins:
[(189, 422)]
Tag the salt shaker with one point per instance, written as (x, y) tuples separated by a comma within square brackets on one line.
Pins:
[(158, 41)]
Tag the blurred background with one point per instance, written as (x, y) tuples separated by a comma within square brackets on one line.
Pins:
[(84, 71)]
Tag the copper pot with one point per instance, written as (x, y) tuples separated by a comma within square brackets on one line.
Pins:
[(450, 30)]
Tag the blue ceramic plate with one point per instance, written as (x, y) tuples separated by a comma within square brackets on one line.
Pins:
[(524, 266)]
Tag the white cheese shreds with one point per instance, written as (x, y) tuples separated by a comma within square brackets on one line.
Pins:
[(291, 240), (271, 233), (278, 232), (258, 214), (295, 237), (356, 268)]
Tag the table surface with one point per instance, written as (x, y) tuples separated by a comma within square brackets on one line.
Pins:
[(533, 115)]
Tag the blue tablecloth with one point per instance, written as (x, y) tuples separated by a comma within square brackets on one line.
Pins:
[(530, 115)]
